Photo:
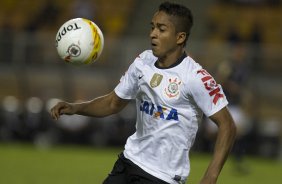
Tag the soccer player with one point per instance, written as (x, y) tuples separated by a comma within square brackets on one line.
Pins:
[(172, 93)]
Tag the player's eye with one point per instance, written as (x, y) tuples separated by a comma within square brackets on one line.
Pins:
[(162, 28)]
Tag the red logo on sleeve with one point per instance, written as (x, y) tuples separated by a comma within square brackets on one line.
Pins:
[(210, 85)]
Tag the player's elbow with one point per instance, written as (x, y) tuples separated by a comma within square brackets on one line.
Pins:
[(229, 128), (116, 103), (232, 130)]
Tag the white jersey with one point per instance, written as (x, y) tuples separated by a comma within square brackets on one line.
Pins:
[(170, 104)]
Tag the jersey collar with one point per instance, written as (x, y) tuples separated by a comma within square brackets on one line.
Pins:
[(178, 61)]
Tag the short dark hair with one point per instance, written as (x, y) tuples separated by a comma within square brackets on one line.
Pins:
[(184, 17)]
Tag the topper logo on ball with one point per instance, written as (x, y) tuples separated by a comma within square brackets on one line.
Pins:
[(71, 27)]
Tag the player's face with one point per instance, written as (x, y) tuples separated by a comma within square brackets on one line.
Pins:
[(163, 35)]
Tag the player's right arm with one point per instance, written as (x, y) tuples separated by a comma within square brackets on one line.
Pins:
[(105, 105), (98, 107)]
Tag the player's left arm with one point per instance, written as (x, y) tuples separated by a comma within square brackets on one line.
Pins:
[(224, 142)]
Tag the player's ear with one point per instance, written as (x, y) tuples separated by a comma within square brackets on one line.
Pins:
[(181, 37)]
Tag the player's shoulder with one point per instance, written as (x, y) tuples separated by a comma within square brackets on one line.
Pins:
[(195, 73), (191, 65), (146, 57)]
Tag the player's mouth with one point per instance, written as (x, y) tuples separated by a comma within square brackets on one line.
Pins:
[(153, 45)]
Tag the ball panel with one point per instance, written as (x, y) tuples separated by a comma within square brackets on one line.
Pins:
[(96, 42)]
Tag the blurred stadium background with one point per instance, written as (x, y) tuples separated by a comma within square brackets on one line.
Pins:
[(238, 41)]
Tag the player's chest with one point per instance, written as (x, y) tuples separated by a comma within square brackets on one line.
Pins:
[(167, 85)]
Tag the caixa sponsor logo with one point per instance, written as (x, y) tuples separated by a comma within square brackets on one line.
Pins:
[(158, 111)]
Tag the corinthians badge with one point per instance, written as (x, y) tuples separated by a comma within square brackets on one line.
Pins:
[(173, 88), (156, 80)]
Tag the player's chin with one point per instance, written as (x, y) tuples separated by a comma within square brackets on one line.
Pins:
[(156, 52)]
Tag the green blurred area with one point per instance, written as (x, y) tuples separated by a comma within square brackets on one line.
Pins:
[(26, 164)]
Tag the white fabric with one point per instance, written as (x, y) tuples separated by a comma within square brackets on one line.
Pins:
[(167, 113)]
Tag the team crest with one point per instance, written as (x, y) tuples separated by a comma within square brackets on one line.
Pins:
[(173, 88), (156, 80)]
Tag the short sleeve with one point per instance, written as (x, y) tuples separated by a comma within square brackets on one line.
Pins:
[(207, 94), (127, 88)]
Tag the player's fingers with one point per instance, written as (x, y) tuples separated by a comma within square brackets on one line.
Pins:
[(64, 108), (63, 111), (56, 111)]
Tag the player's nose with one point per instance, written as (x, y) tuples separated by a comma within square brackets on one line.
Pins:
[(153, 34)]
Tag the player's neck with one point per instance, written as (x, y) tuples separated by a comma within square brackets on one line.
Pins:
[(170, 59)]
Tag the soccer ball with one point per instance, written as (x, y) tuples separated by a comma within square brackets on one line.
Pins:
[(79, 41)]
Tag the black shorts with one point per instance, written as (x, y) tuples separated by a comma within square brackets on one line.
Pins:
[(126, 172)]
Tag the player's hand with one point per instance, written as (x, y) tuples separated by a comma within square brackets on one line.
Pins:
[(62, 108)]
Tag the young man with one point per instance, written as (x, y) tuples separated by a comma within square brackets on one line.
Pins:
[(172, 92)]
